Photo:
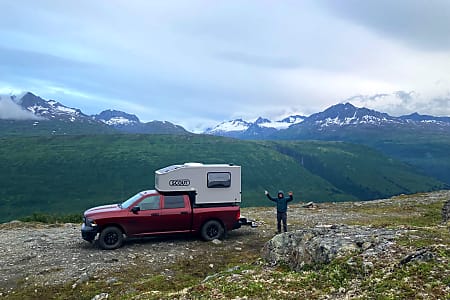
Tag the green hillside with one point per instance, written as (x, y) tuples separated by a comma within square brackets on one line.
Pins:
[(427, 149), (67, 174), (428, 152), (355, 169)]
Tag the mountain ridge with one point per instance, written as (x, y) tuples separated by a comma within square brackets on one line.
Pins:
[(334, 118), (53, 117)]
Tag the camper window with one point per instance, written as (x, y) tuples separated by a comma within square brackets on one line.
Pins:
[(219, 179)]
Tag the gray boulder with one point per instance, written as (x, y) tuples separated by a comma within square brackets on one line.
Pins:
[(320, 245)]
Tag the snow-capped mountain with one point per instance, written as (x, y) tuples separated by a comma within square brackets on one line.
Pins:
[(30, 113), (116, 118), (346, 122), (262, 126), (236, 126), (347, 114), (128, 123), (337, 119), (51, 110)]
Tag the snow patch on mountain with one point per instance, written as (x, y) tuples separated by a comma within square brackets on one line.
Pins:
[(230, 126), (116, 118), (283, 124), (239, 125), (118, 121)]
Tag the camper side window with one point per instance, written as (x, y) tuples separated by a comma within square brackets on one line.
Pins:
[(219, 179)]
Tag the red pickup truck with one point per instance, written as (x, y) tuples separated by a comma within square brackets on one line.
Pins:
[(154, 213)]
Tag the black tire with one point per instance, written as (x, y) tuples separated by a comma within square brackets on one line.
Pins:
[(212, 230), (110, 238)]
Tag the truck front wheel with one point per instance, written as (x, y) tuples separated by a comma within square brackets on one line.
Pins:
[(212, 230), (110, 238)]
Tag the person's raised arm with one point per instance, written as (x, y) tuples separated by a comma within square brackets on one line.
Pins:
[(291, 197), (268, 196)]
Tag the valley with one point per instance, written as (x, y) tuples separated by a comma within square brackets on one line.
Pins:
[(67, 174)]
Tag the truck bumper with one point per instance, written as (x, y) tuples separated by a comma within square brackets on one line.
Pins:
[(237, 225), (88, 233)]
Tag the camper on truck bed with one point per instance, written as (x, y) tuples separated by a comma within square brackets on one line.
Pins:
[(190, 198)]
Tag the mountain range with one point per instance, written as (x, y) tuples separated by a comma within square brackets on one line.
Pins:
[(336, 118), (335, 121), (32, 114)]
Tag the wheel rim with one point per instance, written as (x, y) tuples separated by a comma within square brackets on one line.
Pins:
[(212, 231), (111, 238)]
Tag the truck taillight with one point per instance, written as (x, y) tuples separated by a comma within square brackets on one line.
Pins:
[(238, 215)]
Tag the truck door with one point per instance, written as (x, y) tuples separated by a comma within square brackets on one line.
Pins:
[(147, 219), (176, 213)]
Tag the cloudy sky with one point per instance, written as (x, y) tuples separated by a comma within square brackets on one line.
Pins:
[(197, 63)]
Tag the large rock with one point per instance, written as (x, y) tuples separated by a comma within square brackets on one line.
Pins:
[(320, 245)]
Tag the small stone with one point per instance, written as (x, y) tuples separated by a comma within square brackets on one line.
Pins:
[(83, 278), (101, 296), (211, 266), (367, 265), (216, 242), (233, 269), (111, 281)]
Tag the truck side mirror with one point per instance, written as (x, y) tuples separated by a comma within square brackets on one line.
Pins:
[(135, 209)]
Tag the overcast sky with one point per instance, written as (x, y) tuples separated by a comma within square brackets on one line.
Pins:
[(197, 63)]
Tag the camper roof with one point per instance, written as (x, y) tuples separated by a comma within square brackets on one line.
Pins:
[(189, 165)]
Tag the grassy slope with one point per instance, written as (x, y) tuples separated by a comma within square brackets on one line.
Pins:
[(66, 174), (356, 169), (429, 153)]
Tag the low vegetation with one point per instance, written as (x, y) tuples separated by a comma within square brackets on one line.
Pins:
[(52, 218)]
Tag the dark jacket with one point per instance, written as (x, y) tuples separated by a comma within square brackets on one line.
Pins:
[(281, 201)]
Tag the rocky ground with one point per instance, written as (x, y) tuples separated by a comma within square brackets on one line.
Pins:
[(409, 260)]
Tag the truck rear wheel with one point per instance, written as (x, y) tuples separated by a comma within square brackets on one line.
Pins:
[(110, 238), (212, 230)]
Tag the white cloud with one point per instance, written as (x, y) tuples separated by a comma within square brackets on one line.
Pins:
[(213, 60), (9, 110), (402, 103)]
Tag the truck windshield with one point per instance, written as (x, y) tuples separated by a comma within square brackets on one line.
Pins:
[(130, 201)]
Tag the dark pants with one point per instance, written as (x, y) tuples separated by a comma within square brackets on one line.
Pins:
[(281, 216)]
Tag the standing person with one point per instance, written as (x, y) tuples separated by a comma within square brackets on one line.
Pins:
[(281, 208)]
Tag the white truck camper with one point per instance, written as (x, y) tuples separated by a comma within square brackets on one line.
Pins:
[(211, 183)]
